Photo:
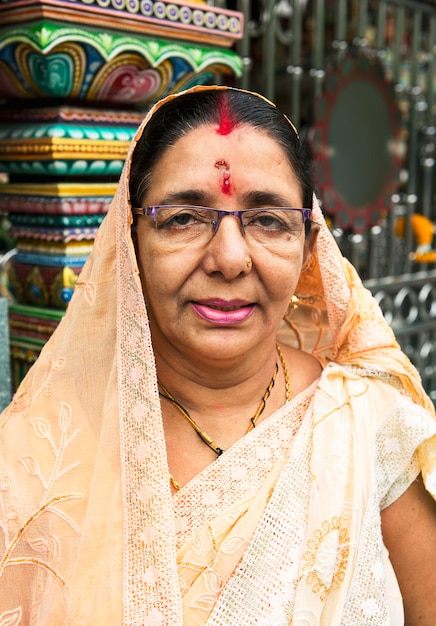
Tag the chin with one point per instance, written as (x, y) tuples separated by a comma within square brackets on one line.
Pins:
[(225, 344)]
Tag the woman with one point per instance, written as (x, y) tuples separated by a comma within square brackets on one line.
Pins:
[(222, 426)]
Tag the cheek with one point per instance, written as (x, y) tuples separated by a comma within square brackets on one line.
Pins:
[(161, 298), (163, 274), (152, 273), (158, 282), (289, 255), (281, 278)]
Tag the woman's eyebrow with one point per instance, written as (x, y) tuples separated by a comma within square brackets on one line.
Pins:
[(187, 196), (268, 198)]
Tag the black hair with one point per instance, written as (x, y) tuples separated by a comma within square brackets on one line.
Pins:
[(191, 110)]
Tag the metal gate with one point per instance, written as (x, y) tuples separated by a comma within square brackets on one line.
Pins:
[(287, 50)]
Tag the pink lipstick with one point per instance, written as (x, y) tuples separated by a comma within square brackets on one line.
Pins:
[(223, 312)]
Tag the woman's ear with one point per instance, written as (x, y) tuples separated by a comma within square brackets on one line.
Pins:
[(310, 244)]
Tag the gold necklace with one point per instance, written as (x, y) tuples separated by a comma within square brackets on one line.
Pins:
[(285, 371), (204, 436)]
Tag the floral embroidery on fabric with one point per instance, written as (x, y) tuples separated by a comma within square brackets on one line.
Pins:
[(324, 571), (21, 400), (42, 430), (213, 584), (89, 291), (11, 618), (42, 550)]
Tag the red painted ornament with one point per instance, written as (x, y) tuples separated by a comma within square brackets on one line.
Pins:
[(226, 185)]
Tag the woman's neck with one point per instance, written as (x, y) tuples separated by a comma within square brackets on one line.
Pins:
[(220, 390), (222, 399)]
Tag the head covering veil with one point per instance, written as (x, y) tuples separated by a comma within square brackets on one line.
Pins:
[(85, 505)]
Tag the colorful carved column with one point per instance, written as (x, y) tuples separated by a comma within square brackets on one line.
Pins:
[(76, 78)]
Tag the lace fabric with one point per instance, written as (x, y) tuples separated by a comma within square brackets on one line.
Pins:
[(238, 475), (307, 546)]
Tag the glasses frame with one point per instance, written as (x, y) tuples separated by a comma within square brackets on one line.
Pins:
[(152, 211)]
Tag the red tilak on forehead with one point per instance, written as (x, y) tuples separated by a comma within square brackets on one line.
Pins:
[(226, 186), (226, 124)]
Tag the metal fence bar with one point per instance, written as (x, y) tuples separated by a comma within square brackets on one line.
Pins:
[(381, 25), (244, 45), (362, 23), (318, 70), (295, 68), (340, 29), (268, 52)]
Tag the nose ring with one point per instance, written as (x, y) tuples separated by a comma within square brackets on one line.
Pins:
[(248, 262)]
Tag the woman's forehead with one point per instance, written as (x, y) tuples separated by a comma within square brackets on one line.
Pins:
[(242, 161), (209, 145)]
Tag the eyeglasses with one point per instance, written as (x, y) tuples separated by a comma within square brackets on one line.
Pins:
[(269, 226)]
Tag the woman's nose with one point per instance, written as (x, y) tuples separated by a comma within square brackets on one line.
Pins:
[(228, 250)]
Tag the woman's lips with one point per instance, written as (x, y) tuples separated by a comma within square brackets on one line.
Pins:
[(223, 312)]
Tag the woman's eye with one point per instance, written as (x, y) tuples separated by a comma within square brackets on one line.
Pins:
[(267, 221), (184, 218), (181, 219), (168, 218)]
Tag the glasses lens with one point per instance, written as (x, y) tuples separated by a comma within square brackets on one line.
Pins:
[(273, 226), (181, 224)]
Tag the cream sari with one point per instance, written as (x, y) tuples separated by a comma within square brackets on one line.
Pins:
[(283, 528)]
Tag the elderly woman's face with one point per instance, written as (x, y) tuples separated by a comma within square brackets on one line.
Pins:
[(203, 297)]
